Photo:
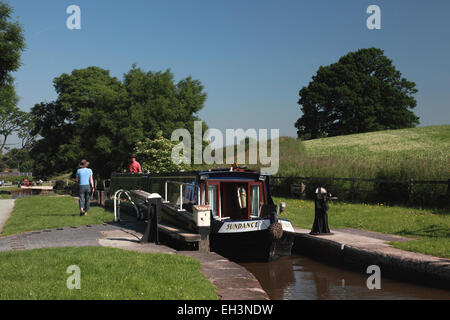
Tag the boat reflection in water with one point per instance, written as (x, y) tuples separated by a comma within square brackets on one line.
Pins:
[(274, 276), (301, 278)]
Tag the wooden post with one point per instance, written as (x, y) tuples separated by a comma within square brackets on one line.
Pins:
[(102, 198), (448, 188), (203, 244), (410, 189), (353, 189)]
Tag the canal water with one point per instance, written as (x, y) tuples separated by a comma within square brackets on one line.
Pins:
[(20, 193), (301, 278)]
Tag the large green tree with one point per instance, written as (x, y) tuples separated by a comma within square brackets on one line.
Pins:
[(12, 43), (89, 119), (12, 119), (362, 92), (161, 104), (100, 118)]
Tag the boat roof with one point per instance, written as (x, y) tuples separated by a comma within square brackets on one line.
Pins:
[(217, 172)]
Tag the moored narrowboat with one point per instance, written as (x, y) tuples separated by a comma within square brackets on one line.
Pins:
[(243, 222)]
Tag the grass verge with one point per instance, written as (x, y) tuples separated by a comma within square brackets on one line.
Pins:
[(430, 229), (46, 212), (105, 273)]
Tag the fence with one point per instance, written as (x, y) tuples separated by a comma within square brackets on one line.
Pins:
[(425, 193), (16, 174)]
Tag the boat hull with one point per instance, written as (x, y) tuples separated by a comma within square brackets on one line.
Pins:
[(255, 245), (252, 246)]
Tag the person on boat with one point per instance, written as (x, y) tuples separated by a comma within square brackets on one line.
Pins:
[(134, 166), (85, 182)]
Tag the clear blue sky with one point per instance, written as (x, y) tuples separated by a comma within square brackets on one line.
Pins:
[(252, 56)]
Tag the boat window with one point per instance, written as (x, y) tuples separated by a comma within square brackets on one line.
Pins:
[(189, 193), (242, 196), (254, 205), (173, 193), (212, 198)]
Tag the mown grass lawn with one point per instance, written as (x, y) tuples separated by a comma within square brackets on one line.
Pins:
[(105, 273), (46, 212), (429, 228)]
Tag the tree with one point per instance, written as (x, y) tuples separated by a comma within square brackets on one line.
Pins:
[(12, 44), (100, 118), (362, 92), (12, 119), (155, 155), (17, 158), (89, 119), (9, 113), (160, 104)]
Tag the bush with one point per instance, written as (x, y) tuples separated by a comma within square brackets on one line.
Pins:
[(155, 155), (59, 185)]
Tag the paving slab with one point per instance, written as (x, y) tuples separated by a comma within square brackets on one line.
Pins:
[(75, 236), (130, 240)]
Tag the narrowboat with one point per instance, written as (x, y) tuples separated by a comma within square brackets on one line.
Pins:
[(243, 222)]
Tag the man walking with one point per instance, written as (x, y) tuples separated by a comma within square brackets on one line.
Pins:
[(85, 183)]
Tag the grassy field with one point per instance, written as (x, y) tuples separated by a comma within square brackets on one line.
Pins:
[(430, 229), (417, 153), (46, 212), (431, 142), (105, 273)]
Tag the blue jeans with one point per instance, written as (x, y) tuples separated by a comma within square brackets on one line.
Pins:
[(85, 197)]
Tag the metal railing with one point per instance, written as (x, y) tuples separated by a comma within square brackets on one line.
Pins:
[(117, 195)]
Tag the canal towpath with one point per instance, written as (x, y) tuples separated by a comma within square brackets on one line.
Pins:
[(6, 207)]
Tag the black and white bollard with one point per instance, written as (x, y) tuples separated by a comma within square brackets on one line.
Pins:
[(154, 207), (321, 207)]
